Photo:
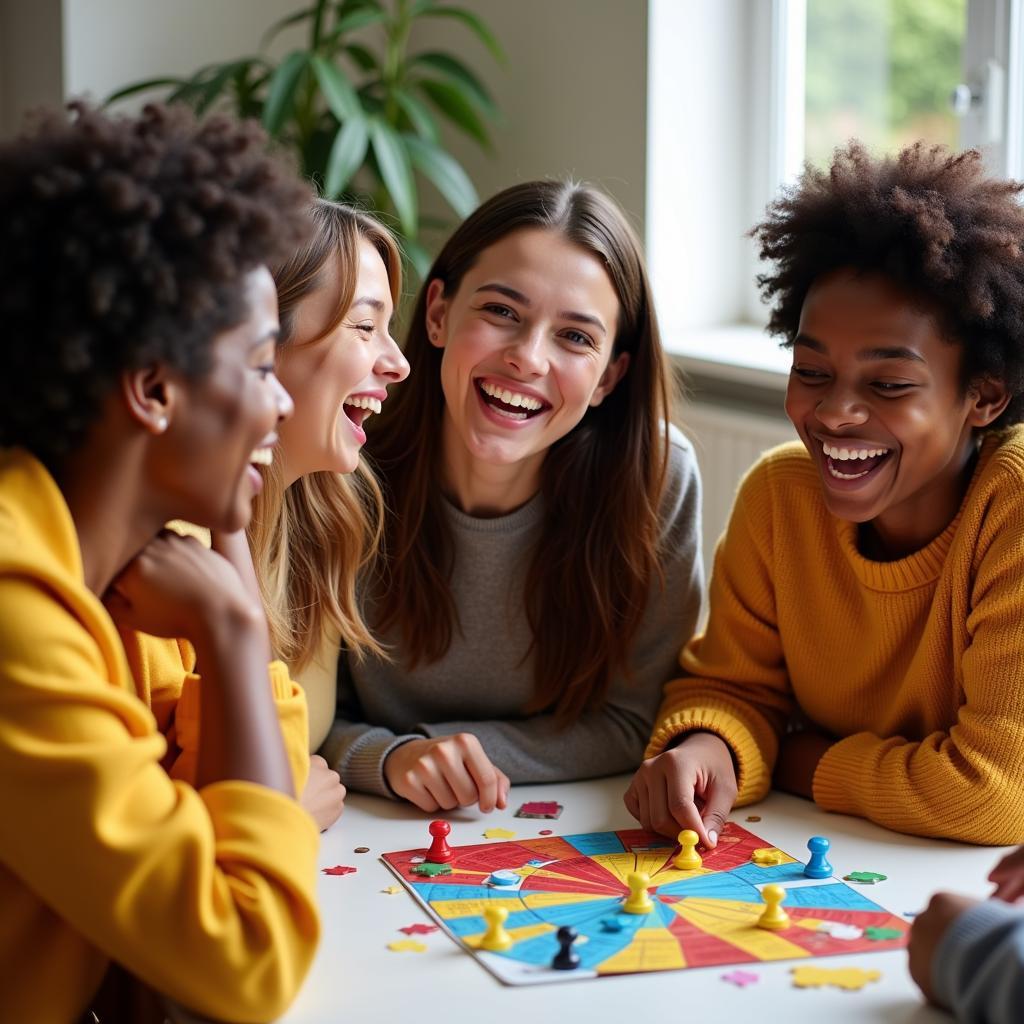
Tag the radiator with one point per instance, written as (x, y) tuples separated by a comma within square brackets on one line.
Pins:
[(727, 443)]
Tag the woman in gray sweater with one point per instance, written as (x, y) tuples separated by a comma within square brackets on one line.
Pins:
[(542, 564)]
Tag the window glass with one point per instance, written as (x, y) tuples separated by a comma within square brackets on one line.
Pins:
[(882, 71)]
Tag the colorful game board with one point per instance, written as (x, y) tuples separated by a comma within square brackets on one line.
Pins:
[(701, 918)]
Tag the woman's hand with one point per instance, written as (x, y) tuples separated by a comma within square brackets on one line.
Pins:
[(446, 772), (324, 795), (926, 933), (1008, 877), (175, 587), (693, 786)]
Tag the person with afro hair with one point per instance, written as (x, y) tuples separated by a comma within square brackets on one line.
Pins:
[(866, 624), (140, 326)]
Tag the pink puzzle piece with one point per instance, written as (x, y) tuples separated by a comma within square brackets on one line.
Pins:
[(339, 869), (419, 929), (741, 979)]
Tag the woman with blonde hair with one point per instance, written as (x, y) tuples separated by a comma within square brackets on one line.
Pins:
[(317, 522)]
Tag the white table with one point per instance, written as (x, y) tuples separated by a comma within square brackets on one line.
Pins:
[(356, 979)]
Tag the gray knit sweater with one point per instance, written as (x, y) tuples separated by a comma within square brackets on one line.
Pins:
[(482, 683)]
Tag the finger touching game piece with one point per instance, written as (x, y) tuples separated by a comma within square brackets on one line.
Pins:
[(638, 902), (774, 918), (496, 939), (818, 866), (852, 979), (339, 869), (440, 852), (766, 858), (865, 877), (498, 833), (687, 859), (566, 959)]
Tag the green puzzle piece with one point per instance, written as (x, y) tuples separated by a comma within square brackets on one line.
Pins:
[(432, 869), (877, 934), (864, 877)]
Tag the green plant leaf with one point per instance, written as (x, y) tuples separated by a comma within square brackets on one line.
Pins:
[(362, 57), (418, 257), (454, 105), (419, 117), (337, 89), (281, 91), (445, 172), (280, 26), (395, 172), (135, 87), (347, 155), (472, 21), (454, 69), (356, 20)]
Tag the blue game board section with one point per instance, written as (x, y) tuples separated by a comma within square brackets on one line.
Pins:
[(829, 897), (720, 886), (758, 875), (594, 843)]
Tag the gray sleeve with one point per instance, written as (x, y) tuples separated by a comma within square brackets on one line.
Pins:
[(356, 750), (978, 968), (613, 739)]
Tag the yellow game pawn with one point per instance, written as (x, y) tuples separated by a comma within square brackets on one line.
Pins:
[(687, 859), (638, 902), (774, 917), (496, 939)]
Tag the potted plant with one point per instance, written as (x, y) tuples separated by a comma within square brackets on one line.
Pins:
[(363, 121)]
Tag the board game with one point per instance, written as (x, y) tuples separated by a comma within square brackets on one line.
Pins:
[(699, 918)]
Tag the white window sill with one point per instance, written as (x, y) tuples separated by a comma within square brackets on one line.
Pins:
[(737, 353)]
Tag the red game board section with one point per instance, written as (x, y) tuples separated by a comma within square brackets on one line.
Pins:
[(823, 944), (702, 949), (638, 838), (734, 848), (578, 871)]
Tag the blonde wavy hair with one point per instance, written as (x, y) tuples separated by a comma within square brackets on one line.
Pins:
[(311, 541)]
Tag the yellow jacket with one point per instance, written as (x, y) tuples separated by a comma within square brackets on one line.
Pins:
[(916, 666), (208, 896)]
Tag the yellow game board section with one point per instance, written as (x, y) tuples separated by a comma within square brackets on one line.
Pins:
[(529, 931), (534, 900), (652, 949), (736, 923), (621, 865)]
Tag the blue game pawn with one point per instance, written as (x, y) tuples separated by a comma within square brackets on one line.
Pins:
[(818, 866), (566, 959)]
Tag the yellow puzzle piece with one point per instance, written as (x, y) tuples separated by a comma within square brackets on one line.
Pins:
[(853, 979), (498, 833), (766, 857), (407, 946), (392, 890)]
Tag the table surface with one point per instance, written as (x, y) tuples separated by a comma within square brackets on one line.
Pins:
[(356, 978)]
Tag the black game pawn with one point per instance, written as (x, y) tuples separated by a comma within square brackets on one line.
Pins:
[(566, 959)]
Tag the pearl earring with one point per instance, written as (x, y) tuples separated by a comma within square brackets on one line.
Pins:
[(161, 424)]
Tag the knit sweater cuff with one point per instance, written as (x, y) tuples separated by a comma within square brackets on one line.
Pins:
[(836, 786), (753, 774), (364, 761), (948, 961)]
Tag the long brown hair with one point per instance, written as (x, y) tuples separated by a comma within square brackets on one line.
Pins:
[(592, 569), (311, 541)]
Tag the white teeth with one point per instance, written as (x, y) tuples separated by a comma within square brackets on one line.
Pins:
[(364, 402), (845, 454), (262, 456), (513, 398)]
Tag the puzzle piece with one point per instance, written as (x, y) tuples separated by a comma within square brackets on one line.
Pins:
[(419, 929), (392, 890), (407, 946), (498, 833), (766, 858), (864, 877), (851, 979), (877, 934), (338, 869), (430, 870), (539, 809), (741, 979)]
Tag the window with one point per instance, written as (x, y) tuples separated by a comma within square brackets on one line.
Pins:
[(741, 92)]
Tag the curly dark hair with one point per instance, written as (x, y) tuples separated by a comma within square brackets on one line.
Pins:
[(932, 222), (125, 242)]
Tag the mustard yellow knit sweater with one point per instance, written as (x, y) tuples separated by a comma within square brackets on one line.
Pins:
[(915, 666)]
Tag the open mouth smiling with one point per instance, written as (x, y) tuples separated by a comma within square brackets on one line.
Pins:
[(511, 404), (852, 462), (359, 408)]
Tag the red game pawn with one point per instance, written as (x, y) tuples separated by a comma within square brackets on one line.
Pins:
[(440, 852)]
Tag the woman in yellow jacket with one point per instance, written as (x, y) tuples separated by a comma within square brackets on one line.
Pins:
[(140, 327)]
